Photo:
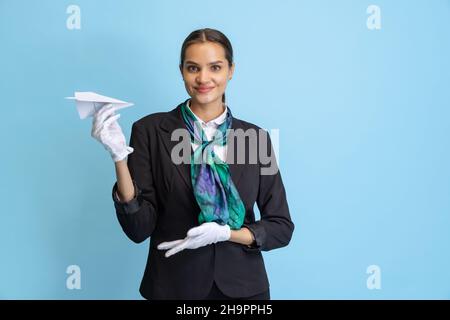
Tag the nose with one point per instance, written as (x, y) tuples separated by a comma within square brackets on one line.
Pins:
[(203, 76)]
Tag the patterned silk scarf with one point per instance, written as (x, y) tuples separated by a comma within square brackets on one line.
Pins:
[(214, 190)]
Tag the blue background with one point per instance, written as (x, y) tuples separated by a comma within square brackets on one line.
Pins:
[(364, 138)]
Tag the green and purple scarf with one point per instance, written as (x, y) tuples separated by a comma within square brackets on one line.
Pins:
[(214, 190)]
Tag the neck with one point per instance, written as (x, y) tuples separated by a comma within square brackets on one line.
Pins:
[(207, 111)]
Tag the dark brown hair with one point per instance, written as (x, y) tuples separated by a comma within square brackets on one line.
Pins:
[(204, 35)]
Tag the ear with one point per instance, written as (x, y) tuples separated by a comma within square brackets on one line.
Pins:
[(181, 70), (231, 72)]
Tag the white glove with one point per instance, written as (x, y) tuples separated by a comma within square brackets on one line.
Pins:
[(107, 131), (206, 233)]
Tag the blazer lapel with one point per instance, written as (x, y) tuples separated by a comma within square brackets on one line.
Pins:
[(168, 125), (175, 121), (235, 168)]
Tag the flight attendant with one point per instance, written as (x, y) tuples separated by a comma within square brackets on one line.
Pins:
[(204, 240)]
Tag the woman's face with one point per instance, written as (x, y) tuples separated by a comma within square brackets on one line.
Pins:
[(206, 72)]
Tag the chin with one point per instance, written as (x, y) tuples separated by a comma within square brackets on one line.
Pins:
[(203, 98)]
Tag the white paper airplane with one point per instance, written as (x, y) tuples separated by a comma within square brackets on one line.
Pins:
[(89, 102)]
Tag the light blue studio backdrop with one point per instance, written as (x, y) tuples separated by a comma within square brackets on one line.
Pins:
[(364, 144)]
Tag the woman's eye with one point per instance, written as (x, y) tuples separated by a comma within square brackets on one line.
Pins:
[(192, 68), (216, 68)]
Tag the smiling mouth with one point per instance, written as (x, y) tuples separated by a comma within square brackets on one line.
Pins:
[(204, 90)]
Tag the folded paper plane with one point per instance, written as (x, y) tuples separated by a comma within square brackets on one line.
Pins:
[(89, 102)]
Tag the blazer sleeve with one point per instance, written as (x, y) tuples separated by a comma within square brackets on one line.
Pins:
[(138, 216), (275, 228)]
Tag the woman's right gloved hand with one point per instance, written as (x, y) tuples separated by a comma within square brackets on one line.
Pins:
[(107, 131)]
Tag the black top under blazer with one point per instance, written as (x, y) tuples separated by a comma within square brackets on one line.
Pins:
[(164, 208)]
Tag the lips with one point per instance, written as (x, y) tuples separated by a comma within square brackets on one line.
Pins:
[(204, 89)]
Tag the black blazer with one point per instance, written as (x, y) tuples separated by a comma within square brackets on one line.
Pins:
[(165, 208)]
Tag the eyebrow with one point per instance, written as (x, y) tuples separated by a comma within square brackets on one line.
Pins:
[(215, 62)]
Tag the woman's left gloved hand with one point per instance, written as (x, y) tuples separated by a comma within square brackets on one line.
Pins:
[(206, 233)]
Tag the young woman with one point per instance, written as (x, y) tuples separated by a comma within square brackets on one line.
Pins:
[(204, 240)]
